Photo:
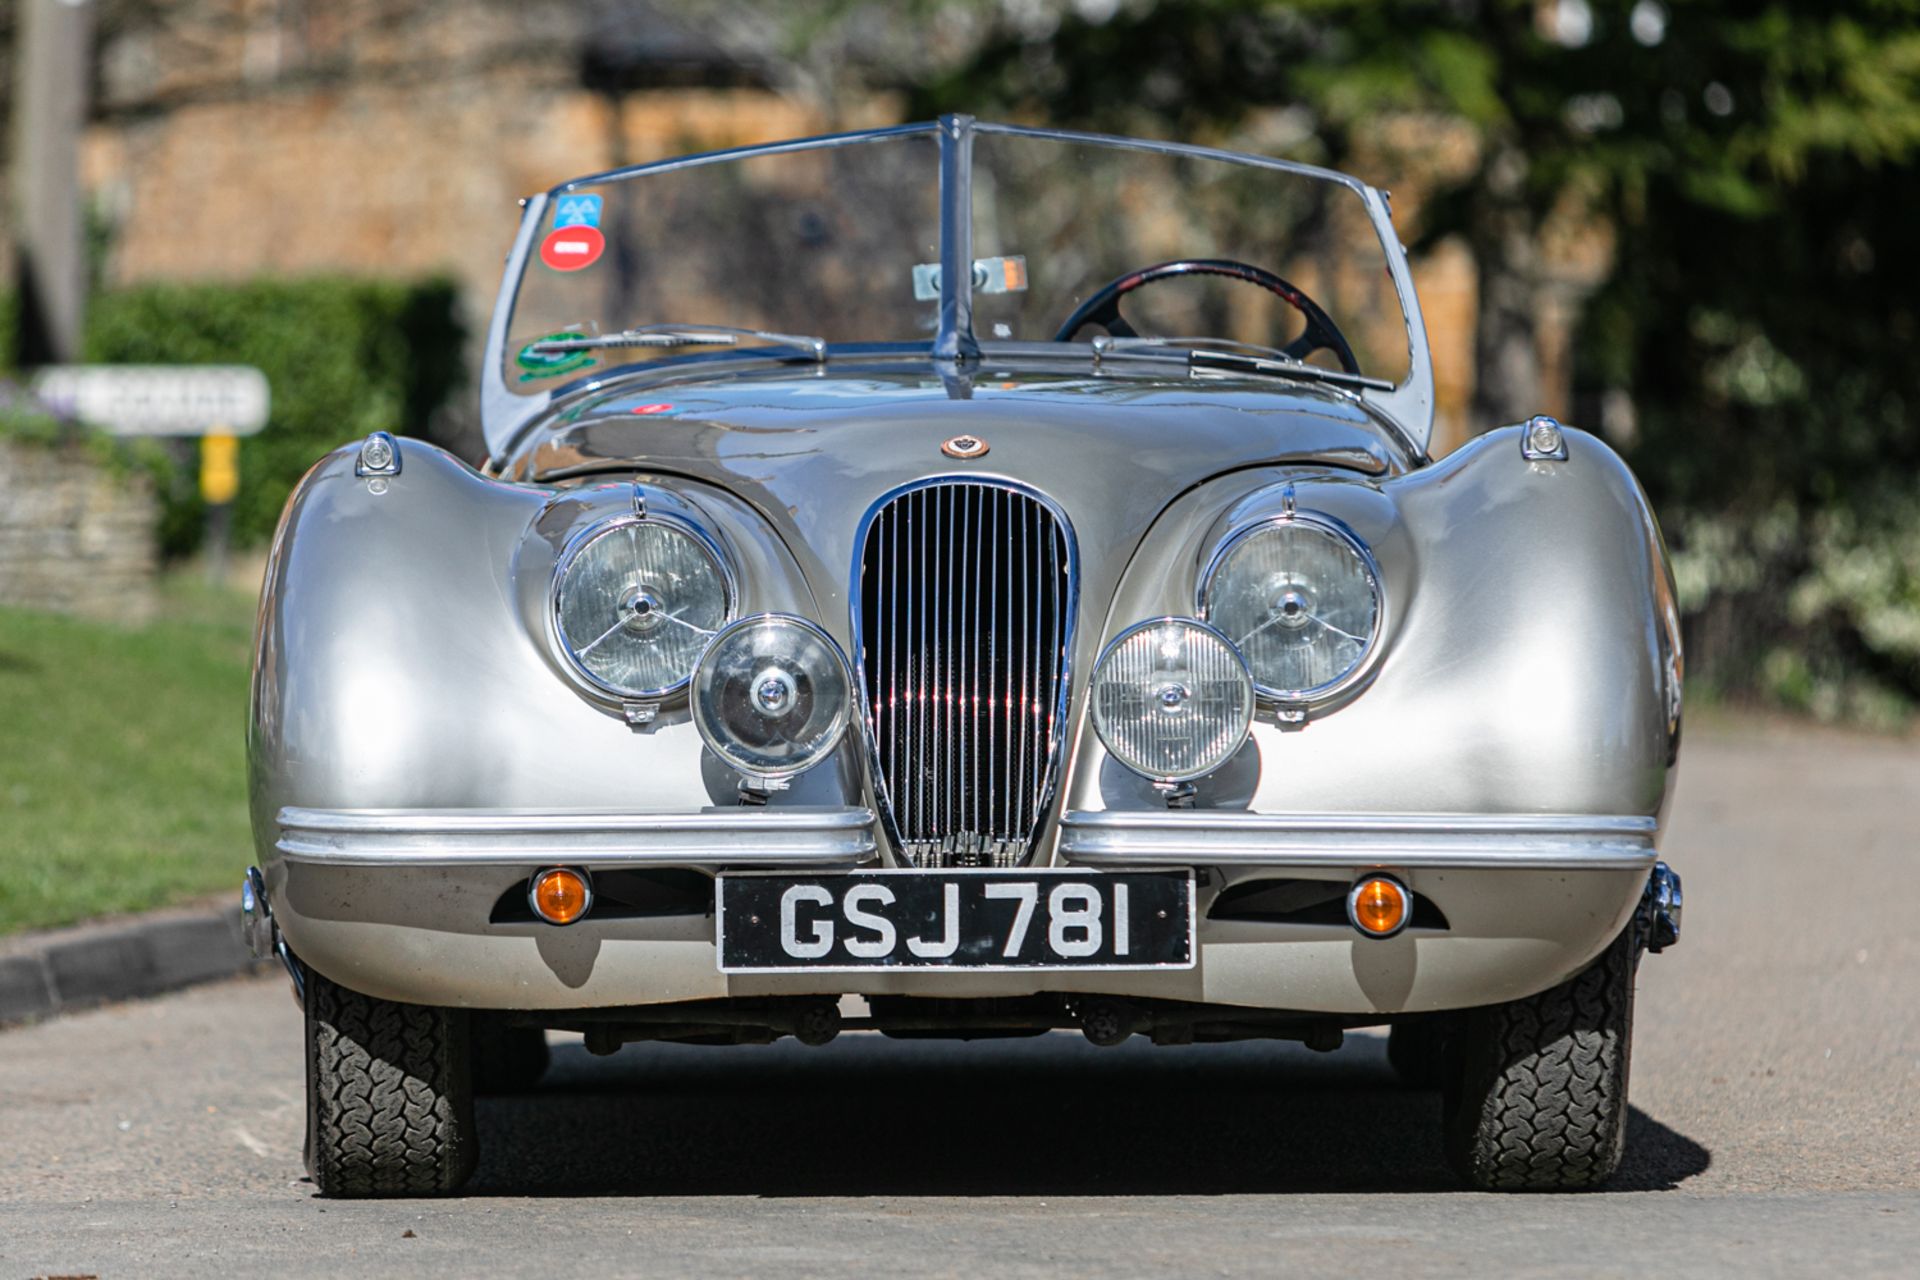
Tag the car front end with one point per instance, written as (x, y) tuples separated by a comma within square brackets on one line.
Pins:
[(970, 687)]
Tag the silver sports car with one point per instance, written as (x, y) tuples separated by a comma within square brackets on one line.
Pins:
[(964, 580)]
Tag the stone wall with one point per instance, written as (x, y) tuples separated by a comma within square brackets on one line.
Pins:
[(234, 138), (75, 536), (384, 179)]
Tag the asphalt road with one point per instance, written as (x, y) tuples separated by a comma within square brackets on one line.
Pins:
[(1776, 1128)]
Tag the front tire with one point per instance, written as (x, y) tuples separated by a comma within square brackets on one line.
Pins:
[(1537, 1096), (389, 1094)]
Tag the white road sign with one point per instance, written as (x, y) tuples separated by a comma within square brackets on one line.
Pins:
[(157, 399)]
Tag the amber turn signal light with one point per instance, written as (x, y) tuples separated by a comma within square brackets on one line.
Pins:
[(1378, 906), (560, 895)]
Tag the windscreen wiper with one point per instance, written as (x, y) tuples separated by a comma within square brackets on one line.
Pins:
[(679, 335), (1239, 357)]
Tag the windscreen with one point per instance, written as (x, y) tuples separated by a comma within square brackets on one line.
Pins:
[(1077, 215), (820, 242), (840, 240)]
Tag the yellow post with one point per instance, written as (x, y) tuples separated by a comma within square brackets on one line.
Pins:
[(219, 482), (219, 468)]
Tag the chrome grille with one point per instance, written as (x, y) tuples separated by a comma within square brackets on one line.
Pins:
[(964, 618)]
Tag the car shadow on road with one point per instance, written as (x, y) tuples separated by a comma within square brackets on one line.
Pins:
[(1048, 1116)]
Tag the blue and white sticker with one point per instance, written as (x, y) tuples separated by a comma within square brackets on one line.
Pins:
[(577, 211)]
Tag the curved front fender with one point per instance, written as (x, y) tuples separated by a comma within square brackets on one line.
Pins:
[(1530, 662), (402, 659)]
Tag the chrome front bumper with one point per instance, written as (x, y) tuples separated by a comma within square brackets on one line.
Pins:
[(1520, 842), (828, 838), (770, 836), (398, 903)]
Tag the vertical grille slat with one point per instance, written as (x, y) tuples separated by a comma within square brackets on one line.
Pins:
[(967, 663), (945, 664), (964, 615), (1017, 718), (993, 676), (1054, 638)]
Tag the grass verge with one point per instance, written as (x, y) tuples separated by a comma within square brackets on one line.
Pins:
[(122, 758)]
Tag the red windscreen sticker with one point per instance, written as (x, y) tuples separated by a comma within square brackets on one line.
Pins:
[(571, 248)]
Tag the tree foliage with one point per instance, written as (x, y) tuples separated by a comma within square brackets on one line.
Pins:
[(1754, 162)]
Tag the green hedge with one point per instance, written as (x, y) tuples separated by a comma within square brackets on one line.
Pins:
[(1778, 436), (343, 357), (9, 327)]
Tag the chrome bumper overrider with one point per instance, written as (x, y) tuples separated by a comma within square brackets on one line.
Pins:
[(1664, 902), (261, 932), (1517, 841), (772, 836)]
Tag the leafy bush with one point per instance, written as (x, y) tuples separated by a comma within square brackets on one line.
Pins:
[(1816, 611), (1776, 432), (343, 357), (9, 327)]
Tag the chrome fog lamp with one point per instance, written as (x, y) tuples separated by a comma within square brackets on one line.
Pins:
[(635, 600), (1172, 700), (772, 695), (1299, 596)]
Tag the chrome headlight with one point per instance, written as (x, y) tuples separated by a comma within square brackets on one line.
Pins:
[(1172, 700), (1299, 596), (772, 696), (635, 600)]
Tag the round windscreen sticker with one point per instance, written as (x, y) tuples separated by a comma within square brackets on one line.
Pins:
[(551, 364), (571, 248)]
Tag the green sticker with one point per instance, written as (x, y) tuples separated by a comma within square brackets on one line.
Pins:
[(551, 364)]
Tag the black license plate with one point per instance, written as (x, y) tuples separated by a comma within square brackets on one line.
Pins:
[(973, 920)]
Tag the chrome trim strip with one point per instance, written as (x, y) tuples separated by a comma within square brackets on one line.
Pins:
[(775, 836), (1567, 842), (818, 142), (1161, 147)]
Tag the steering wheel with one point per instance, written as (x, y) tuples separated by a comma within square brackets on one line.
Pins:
[(1103, 308)]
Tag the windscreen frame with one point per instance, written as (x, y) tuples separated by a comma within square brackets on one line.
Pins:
[(506, 415)]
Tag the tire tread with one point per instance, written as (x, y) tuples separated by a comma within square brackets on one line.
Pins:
[(389, 1096), (1540, 1099)]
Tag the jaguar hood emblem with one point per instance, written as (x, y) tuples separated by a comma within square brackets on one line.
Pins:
[(964, 447)]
